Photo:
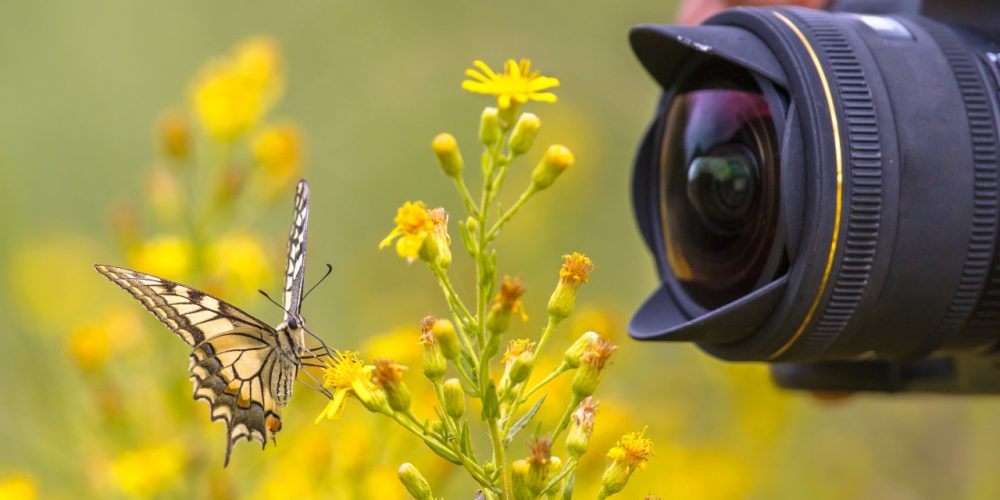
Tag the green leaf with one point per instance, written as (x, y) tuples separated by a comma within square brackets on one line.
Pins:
[(467, 441), (522, 422), (467, 239)]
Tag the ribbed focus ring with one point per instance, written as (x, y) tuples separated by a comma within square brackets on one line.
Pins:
[(863, 180)]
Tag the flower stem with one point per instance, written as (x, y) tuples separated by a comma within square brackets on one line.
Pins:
[(525, 196), (474, 470), (564, 421), (546, 333), (566, 470), (498, 456), (470, 204), (559, 370)]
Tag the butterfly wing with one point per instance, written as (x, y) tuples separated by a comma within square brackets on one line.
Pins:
[(296, 266), (237, 364)]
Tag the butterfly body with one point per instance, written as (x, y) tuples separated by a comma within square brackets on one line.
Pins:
[(242, 366)]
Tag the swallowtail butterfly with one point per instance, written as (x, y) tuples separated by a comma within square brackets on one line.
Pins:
[(243, 367)]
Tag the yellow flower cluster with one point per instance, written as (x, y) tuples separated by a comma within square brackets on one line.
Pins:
[(233, 93), (515, 85)]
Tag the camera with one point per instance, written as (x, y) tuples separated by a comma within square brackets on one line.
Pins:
[(819, 189)]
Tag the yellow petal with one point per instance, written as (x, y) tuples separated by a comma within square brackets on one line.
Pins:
[(513, 69), (409, 245), (485, 69), (388, 239), (475, 75), (543, 97), (543, 82), (503, 101)]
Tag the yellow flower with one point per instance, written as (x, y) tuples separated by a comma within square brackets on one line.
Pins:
[(413, 226), (516, 84), (238, 264), (576, 269), (148, 471), (232, 94), (516, 348), (628, 456), (168, 256), (278, 149), (556, 160), (348, 375), (18, 487)]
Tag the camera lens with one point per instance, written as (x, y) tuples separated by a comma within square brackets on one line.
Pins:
[(721, 188), (719, 165)]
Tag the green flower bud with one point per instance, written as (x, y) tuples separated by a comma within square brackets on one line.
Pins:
[(454, 398), (389, 376), (489, 127), (523, 136), (448, 156), (571, 357), (434, 361), (491, 404), (582, 426), (446, 337), (593, 364), (414, 482), (557, 159)]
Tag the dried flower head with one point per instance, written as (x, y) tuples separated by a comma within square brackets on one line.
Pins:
[(516, 348), (598, 353)]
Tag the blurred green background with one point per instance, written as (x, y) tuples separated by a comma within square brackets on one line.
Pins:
[(82, 87)]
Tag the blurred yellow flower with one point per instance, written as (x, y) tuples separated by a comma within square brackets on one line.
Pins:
[(18, 487), (51, 281), (168, 256), (91, 345), (148, 471), (258, 59), (517, 83), (278, 149), (508, 299), (238, 264), (232, 94), (413, 226)]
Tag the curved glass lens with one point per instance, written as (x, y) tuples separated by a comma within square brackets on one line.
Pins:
[(719, 203)]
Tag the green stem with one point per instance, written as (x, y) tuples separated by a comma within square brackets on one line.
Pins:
[(566, 470), (470, 204), (564, 421), (546, 333), (498, 456), (473, 468), (525, 196), (562, 368)]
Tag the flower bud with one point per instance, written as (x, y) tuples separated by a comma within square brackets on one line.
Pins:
[(389, 376), (434, 361), (437, 246), (446, 338), (574, 272), (572, 356), (175, 136), (414, 482), (593, 364), (557, 159), (523, 136), (448, 156), (582, 426), (489, 127), (491, 404), (506, 303), (520, 470), (454, 398)]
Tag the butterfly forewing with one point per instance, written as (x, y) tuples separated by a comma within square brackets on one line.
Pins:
[(296, 266), (237, 364)]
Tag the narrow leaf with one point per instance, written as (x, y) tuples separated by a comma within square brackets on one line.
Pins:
[(522, 422)]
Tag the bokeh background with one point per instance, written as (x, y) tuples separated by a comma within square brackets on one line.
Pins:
[(96, 402)]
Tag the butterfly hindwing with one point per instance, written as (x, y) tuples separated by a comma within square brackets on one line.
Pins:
[(296, 265), (237, 363)]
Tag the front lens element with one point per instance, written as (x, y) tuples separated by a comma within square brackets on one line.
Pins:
[(719, 199)]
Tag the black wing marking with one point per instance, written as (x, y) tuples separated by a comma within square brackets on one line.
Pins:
[(192, 314), (240, 375), (296, 265)]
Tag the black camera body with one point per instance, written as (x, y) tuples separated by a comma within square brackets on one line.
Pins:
[(821, 191)]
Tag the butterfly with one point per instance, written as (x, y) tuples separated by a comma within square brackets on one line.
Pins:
[(243, 367)]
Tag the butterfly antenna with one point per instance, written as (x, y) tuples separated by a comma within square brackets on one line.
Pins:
[(326, 349), (268, 297), (329, 269)]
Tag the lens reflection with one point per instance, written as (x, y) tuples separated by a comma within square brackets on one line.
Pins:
[(719, 164)]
